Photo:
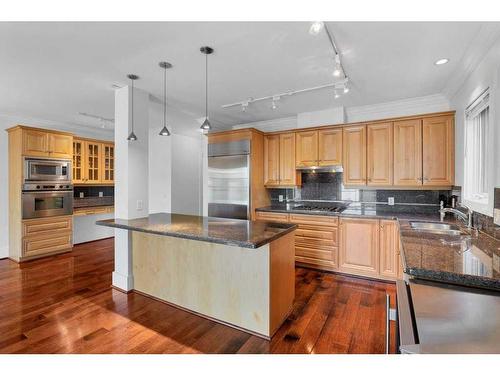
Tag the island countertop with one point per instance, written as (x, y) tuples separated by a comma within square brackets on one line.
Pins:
[(242, 233)]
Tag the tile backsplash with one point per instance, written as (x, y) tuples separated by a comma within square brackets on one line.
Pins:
[(328, 186), (93, 191)]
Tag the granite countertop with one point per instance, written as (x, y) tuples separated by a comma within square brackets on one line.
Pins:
[(472, 260), (372, 210), (93, 202), (234, 232)]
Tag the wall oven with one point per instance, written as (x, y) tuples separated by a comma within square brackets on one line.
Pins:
[(47, 170), (44, 200)]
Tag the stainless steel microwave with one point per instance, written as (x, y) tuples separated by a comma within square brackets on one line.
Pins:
[(47, 170)]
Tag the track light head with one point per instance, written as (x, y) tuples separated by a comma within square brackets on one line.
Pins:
[(316, 27)]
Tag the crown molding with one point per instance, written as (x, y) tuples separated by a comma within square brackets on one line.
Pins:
[(78, 129), (284, 123), (398, 108)]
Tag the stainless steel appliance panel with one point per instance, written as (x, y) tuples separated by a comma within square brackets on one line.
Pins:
[(445, 319), (229, 186), (229, 148), (47, 170), (37, 204)]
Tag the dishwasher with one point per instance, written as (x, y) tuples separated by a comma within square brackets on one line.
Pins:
[(436, 318)]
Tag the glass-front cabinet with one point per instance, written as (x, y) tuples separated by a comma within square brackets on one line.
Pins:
[(108, 166), (78, 172), (93, 162)]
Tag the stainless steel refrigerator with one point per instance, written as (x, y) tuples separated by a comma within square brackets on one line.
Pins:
[(229, 180)]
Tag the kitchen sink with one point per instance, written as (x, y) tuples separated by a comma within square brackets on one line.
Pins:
[(438, 228)]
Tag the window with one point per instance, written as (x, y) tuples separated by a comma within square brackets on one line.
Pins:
[(476, 139)]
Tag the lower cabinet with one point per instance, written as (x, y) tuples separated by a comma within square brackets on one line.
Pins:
[(48, 235), (359, 247), (316, 241), (354, 246)]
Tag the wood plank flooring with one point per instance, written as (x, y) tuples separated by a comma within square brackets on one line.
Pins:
[(64, 304)]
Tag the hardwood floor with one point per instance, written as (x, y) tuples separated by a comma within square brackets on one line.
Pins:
[(65, 304)]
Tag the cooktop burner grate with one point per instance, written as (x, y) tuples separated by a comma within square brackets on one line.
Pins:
[(330, 208)]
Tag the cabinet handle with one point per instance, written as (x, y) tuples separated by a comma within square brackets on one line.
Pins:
[(387, 323), (381, 226)]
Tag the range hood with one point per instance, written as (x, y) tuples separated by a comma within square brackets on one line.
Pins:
[(330, 168)]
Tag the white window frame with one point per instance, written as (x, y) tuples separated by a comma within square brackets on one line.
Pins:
[(479, 202)]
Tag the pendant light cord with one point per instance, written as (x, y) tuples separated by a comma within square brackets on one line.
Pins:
[(165, 97), (206, 85), (132, 105)]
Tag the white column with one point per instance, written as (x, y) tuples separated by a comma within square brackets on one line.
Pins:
[(131, 176)]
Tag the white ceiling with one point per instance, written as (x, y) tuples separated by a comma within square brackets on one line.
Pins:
[(55, 70)]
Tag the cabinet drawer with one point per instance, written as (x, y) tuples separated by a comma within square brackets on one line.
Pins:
[(41, 226), (272, 216), (326, 233), (48, 243), (314, 220), (326, 253), (313, 242), (316, 263)]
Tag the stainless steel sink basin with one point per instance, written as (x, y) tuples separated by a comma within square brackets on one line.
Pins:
[(438, 228)]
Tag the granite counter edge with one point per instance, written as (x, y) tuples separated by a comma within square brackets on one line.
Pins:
[(222, 241)]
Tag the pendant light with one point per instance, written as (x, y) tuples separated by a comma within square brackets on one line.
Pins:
[(165, 65), (132, 136), (207, 51)]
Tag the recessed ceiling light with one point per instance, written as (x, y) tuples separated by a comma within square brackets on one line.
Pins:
[(316, 27), (441, 61)]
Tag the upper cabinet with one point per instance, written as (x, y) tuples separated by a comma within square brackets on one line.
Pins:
[(279, 160), (93, 162), (318, 148), (306, 149), (438, 151), (108, 162), (330, 147), (412, 152), (287, 159), (43, 143), (408, 152), (354, 144), (379, 154), (272, 160)]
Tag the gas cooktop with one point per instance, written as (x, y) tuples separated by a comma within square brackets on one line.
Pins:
[(333, 207)]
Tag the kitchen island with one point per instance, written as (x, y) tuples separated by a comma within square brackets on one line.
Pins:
[(237, 272)]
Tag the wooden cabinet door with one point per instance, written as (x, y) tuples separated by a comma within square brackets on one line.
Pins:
[(60, 145), (108, 163), (379, 154), (93, 162), (330, 147), (408, 153), (35, 143), (438, 151), (306, 153), (354, 144), (271, 160), (287, 159), (389, 249), (359, 246), (78, 161)]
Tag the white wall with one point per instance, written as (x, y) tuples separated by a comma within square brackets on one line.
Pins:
[(7, 121), (187, 175), (340, 115), (484, 75)]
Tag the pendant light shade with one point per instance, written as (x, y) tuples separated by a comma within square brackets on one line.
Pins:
[(164, 65), (132, 136), (206, 51)]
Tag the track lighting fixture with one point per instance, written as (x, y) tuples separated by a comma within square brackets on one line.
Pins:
[(244, 106), (274, 104), (206, 51), (164, 65), (132, 136)]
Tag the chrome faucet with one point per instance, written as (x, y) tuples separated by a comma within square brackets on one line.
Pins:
[(466, 218)]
